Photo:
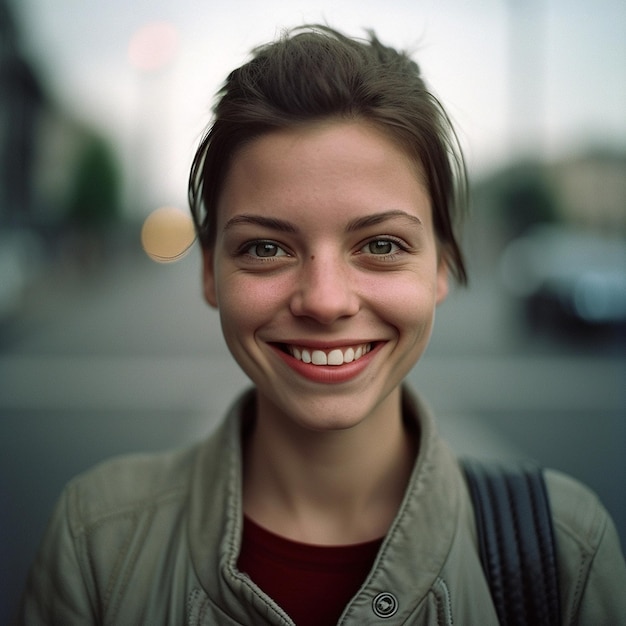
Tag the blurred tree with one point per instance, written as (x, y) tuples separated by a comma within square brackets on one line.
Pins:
[(94, 195), (93, 204), (519, 197)]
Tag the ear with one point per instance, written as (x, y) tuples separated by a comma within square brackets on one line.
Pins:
[(442, 279), (208, 277)]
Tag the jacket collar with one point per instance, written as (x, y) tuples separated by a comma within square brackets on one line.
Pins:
[(411, 556)]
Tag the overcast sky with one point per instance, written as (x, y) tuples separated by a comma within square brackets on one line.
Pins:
[(551, 72)]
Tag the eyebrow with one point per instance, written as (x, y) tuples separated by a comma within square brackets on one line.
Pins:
[(260, 220), (379, 218), (287, 227)]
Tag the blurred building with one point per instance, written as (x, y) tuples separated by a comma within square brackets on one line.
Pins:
[(21, 101), (592, 191), (60, 180), (585, 191)]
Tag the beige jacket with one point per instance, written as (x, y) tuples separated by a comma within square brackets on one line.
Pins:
[(154, 539)]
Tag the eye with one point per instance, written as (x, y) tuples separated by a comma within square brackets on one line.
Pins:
[(381, 247), (264, 250)]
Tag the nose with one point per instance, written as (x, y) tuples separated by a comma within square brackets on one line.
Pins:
[(325, 291)]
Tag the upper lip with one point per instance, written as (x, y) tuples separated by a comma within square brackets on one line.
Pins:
[(317, 344)]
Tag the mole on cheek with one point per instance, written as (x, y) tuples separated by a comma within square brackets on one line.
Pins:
[(312, 257)]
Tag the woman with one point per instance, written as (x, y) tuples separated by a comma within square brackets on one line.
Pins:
[(326, 196)]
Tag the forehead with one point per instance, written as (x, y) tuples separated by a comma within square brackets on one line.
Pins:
[(345, 140), (332, 165)]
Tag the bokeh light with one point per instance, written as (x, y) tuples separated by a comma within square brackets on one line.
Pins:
[(167, 234), (153, 46)]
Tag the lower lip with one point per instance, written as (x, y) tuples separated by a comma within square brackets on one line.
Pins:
[(328, 374)]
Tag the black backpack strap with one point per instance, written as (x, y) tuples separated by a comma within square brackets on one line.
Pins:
[(516, 541)]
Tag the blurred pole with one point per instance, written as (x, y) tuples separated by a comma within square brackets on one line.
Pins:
[(527, 76), (152, 50)]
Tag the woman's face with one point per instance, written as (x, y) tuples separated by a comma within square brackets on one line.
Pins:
[(325, 272)]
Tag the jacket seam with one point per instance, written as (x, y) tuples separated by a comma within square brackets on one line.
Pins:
[(202, 610), (80, 552), (121, 573), (108, 593), (586, 561), (444, 603), (578, 587), (86, 526), (200, 605), (84, 530), (271, 604)]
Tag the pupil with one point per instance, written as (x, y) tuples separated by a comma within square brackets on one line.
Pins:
[(380, 247), (266, 249)]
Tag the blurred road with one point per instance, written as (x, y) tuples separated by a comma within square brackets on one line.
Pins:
[(127, 357)]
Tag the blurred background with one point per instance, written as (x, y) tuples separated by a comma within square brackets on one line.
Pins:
[(103, 351)]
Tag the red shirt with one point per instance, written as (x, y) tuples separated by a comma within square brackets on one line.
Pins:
[(312, 583)]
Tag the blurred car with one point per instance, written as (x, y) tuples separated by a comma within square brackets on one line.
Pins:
[(567, 278)]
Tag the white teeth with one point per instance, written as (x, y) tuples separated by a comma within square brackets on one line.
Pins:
[(336, 356), (319, 358)]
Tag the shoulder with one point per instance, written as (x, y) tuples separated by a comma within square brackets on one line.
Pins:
[(128, 484), (592, 571), (109, 523), (576, 510), (134, 483)]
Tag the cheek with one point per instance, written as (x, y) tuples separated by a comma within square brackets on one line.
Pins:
[(407, 301), (247, 302)]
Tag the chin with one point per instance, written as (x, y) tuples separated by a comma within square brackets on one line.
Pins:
[(326, 412)]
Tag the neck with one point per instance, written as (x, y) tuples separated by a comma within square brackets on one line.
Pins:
[(334, 487)]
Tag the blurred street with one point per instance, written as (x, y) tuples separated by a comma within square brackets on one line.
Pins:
[(127, 357)]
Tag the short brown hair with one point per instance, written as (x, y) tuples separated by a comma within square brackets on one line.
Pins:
[(312, 73)]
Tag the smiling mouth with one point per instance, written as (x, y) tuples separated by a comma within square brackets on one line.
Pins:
[(336, 356)]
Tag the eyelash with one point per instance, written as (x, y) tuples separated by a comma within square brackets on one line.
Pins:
[(398, 243), (245, 249)]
